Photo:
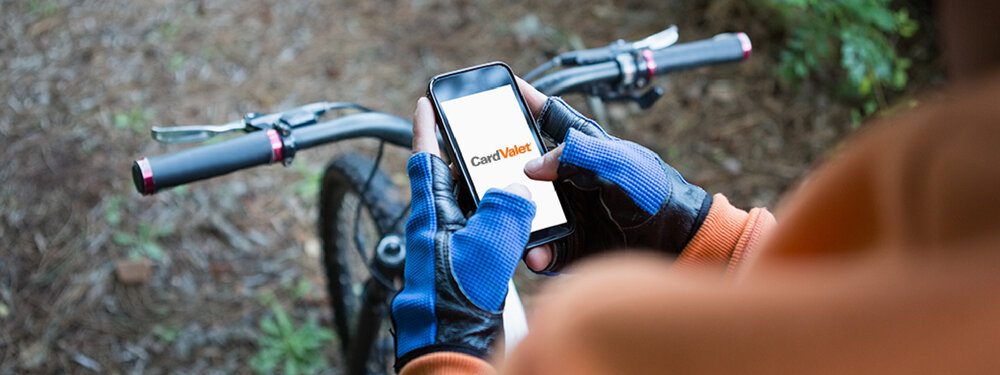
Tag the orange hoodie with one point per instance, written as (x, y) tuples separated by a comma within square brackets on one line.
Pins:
[(887, 260)]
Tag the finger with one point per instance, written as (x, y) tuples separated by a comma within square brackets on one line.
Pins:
[(534, 98), (509, 208), (424, 127), (538, 258), (454, 171), (545, 168), (518, 190)]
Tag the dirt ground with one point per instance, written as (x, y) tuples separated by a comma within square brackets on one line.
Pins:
[(83, 80)]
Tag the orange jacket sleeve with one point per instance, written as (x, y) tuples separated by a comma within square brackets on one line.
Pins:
[(728, 237), (447, 363)]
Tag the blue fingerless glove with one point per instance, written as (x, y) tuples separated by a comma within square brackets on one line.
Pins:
[(456, 271), (622, 194)]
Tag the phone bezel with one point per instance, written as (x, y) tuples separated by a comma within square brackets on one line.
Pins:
[(476, 79)]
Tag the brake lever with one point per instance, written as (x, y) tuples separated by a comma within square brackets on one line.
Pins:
[(282, 121), (193, 133), (660, 40)]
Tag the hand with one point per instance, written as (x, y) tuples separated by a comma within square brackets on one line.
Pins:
[(457, 270), (621, 194)]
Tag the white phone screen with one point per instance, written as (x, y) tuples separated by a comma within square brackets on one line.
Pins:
[(495, 142)]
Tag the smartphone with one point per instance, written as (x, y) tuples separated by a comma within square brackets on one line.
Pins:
[(489, 134)]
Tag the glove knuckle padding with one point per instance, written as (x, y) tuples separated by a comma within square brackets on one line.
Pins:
[(456, 271), (625, 165), (557, 117)]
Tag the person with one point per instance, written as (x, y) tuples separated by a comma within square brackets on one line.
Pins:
[(885, 260)]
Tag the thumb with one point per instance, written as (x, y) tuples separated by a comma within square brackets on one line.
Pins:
[(486, 252), (545, 168), (424, 127), (518, 190)]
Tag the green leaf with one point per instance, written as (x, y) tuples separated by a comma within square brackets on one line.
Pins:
[(153, 250), (284, 324), (865, 87), (295, 347), (266, 298), (121, 120), (870, 107), (123, 238), (800, 69), (302, 288), (856, 119), (181, 190), (112, 211), (135, 254), (267, 325), (883, 19), (144, 231), (899, 79), (166, 334), (164, 230), (291, 366), (176, 62), (264, 361), (906, 26)]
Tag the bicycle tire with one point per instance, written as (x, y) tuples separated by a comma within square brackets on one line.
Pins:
[(343, 188)]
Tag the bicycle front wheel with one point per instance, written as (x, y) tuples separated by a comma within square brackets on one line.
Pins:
[(359, 206)]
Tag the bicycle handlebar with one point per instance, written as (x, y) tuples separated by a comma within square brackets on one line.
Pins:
[(156, 173), (268, 146), (723, 48)]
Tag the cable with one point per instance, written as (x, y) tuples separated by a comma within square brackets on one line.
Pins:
[(359, 242), (330, 106), (541, 69)]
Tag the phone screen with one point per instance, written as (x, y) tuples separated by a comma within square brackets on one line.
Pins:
[(495, 141)]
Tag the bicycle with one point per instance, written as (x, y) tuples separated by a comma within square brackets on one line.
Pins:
[(361, 217)]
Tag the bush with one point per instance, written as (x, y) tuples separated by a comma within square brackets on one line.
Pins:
[(866, 32)]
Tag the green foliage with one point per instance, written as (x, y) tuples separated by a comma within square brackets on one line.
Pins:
[(302, 288), (307, 187), (166, 334), (136, 119), (113, 211), (299, 289), (861, 33), (43, 8), (296, 349), (167, 30), (176, 62), (144, 244)]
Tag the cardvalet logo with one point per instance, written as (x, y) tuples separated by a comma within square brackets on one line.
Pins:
[(502, 153)]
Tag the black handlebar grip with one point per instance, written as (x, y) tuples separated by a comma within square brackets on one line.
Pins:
[(198, 163), (723, 48)]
